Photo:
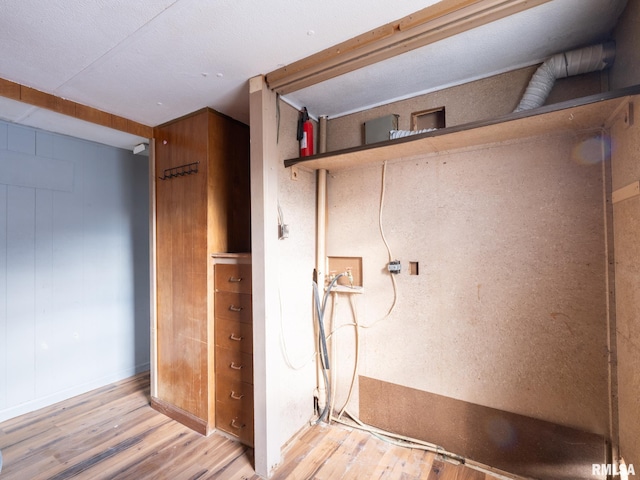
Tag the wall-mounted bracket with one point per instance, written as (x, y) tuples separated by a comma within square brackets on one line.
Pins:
[(624, 193), (623, 112)]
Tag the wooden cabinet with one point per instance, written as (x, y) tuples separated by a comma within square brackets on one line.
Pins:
[(234, 346), (202, 207)]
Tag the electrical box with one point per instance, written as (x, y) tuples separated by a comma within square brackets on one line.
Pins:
[(342, 264), (377, 130)]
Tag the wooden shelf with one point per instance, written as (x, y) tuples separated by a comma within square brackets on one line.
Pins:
[(578, 115)]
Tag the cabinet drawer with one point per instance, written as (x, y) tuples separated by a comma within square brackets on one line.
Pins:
[(236, 421), (237, 394), (233, 306), (234, 335), (233, 277), (234, 364)]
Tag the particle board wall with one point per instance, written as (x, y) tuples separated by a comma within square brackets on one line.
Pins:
[(626, 218), (626, 227), (74, 263), (296, 254), (284, 368), (625, 71), (509, 307), (473, 101)]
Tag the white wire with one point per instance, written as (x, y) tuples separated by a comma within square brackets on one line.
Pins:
[(334, 368), (383, 189), (283, 343), (357, 357), (386, 244), (280, 215), (382, 193), (408, 442), (355, 323)]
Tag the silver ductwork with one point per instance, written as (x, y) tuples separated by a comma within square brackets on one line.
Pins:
[(575, 62)]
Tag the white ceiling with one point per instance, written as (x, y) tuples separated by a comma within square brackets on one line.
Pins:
[(155, 60)]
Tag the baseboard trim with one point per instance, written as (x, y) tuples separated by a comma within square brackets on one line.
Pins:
[(182, 416)]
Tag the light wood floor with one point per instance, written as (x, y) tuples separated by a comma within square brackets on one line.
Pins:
[(113, 433)]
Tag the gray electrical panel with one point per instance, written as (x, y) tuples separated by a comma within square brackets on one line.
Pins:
[(377, 130)]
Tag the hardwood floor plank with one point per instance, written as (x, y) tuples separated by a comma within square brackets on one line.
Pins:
[(368, 457), (342, 459), (141, 461), (32, 423), (467, 473), (443, 471), (112, 433), (386, 463), (321, 446)]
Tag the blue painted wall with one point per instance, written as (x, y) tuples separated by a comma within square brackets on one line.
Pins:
[(74, 267)]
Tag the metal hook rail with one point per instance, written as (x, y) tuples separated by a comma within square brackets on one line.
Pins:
[(180, 171)]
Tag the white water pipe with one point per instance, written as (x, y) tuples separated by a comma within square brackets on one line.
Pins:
[(321, 239), (575, 62)]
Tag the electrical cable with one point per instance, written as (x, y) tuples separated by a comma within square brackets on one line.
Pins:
[(408, 442), (355, 323), (283, 342), (357, 357), (384, 238), (320, 309), (334, 371), (392, 438)]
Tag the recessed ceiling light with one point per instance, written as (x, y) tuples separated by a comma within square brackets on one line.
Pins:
[(219, 75), (311, 32), (159, 104)]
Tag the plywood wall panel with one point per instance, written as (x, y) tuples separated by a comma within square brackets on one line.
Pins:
[(509, 308), (625, 143), (512, 443), (626, 68)]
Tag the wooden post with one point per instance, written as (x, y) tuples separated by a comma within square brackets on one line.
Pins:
[(264, 206)]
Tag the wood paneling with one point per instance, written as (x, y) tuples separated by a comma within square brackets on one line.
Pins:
[(513, 443), (196, 215)]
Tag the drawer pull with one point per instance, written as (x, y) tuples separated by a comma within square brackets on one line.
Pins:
[(235, 425), (233, 308), (234, 338), (235, 396), (235, 279), (236, 367)]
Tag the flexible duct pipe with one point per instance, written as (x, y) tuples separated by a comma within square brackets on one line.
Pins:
[(575, 62)]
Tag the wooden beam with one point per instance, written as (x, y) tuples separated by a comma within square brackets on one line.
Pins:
[(31, 96), (9, 89), (429, 25)]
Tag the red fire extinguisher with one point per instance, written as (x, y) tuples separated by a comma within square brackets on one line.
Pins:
[(305, 133)]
